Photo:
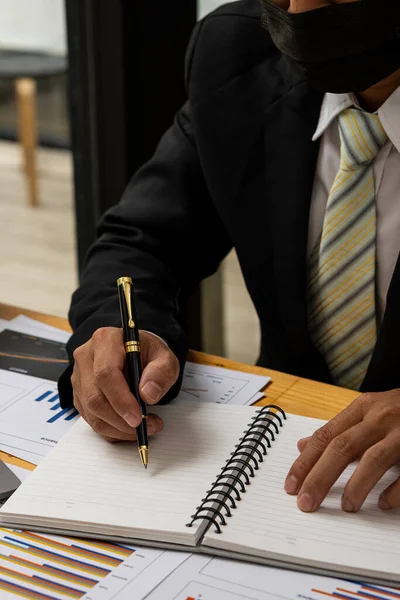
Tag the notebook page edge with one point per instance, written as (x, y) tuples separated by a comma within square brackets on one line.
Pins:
[(303, 567)]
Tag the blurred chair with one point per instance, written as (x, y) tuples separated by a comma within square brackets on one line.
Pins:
[(25, 68)]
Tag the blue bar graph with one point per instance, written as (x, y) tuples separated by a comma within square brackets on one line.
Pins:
[(67, 413), (43, 396), (53, 398)]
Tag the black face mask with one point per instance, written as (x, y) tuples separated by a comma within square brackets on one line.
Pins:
[(340, 48)]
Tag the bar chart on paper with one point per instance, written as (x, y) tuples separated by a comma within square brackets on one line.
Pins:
[(352, 591), (47, 567), (52, 397), (345, 591), (210, 578), (200, 591), (32, 420)]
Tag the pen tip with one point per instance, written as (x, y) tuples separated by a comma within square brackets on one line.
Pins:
[(144, 455)]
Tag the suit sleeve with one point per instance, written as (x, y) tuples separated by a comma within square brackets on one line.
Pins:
[(165, 234)]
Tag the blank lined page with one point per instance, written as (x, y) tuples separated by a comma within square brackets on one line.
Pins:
[(88, 485), (268, 522)]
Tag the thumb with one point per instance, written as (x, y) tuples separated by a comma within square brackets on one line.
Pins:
[(161, 369)]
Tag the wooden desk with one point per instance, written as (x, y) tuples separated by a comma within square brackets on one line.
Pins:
[(293, 394)]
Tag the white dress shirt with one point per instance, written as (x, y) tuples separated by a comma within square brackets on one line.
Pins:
[(387, 183)]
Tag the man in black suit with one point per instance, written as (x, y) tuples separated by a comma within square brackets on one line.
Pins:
[(288, 150)]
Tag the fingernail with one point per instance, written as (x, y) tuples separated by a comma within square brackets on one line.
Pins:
[(291, 485), (347, 505), (383, 503), (151, 430), (305, 502), (153, 391), (132, 419)]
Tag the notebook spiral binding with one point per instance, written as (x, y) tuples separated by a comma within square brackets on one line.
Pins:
[(240, 468)]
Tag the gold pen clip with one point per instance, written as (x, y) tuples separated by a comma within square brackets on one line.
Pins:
[(126, 283)]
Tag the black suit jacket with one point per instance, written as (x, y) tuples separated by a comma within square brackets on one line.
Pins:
[(236, 169)]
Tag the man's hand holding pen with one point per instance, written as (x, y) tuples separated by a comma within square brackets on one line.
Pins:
[(101, 392)]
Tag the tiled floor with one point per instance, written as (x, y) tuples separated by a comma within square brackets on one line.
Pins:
[(37, 250)]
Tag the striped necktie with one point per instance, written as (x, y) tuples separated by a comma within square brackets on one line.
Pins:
[(341, 286)]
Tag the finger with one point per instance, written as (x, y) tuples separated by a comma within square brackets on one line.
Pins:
[(390, 497), (97, 425), (340, 453), (91, 399), (154, 425), (301, 444), (97, 407), (110, 433), (374, 464), (318, 444), (108, 365), (160, 373), (82, 356), (78, 404)]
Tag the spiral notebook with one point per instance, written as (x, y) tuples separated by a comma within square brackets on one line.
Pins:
[(214, 485)]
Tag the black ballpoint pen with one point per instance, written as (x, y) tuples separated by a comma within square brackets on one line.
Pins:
[(133, 360)]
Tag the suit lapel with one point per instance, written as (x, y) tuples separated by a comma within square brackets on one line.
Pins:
[(291, 159), (266, 165), (229, 124)]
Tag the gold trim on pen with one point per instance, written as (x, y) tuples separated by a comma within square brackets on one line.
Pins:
[(126, 283), (122, 280), (132, 347)]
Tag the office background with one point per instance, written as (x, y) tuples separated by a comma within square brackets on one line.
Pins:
[(41, 247)]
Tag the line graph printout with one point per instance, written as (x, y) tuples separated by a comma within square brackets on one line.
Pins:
[(207, 578), (57, 568), (223, 386), (31, 418), (29, 354)]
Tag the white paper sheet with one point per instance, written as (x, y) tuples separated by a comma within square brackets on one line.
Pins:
[(203, 383), (24, 324), (207, 578), (65, 568), (31, 419)]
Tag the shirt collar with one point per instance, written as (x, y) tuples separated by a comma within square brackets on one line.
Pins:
[(332, 106), (389, 114)]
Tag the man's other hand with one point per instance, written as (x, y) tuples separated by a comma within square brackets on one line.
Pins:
[(101, 392), (368, 430)]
